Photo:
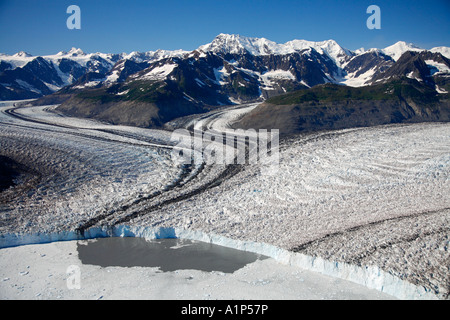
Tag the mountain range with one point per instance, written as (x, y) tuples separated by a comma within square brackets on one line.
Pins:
[(151, 88)]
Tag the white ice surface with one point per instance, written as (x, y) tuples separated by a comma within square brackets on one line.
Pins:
[(91, 169), (274, 74), (396, 50), (221, 74), (40, 272), (445, 51), (441, 68), (360, 176), (27, 259), (158, 73), (353, 81)]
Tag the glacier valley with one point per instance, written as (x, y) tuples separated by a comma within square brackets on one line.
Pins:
[(368, 205)]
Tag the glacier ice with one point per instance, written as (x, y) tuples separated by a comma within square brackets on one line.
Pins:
[(369, 276)]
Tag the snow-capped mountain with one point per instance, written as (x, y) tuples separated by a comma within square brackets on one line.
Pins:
[(25, 76), (398, 49), (445, 51), (237, 44), (230, 69)]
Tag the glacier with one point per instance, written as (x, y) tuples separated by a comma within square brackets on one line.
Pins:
[(338, 194), (369, 276)]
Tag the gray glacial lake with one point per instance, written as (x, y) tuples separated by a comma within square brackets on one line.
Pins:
[(167, 254)]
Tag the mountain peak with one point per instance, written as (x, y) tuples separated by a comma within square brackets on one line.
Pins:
[(76, 52), (329, 47), (22, 54), (396, 50), (236, 44), (405, 44)]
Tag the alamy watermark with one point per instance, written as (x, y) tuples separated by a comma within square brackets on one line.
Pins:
[(224, 148), (74, 20), (74, 277), (374, 21)]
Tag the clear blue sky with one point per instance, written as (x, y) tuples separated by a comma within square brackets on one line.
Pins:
[(39, 26)]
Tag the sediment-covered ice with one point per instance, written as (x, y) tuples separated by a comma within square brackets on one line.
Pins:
[(82, 171), (369, 196), (367, 204)]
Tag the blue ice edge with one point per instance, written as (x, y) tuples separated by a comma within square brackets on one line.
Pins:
[(370, 276)]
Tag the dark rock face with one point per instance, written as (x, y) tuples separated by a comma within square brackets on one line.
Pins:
[(312, 116), (372, 60), (329, 107), (10, 171), (413, 65), (71, 67), (29, 81), (43, 76)]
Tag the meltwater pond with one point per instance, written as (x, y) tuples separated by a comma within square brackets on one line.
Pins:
[(167, 254)]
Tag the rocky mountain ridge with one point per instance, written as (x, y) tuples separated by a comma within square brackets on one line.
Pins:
[(149, 89), (266, 68)]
